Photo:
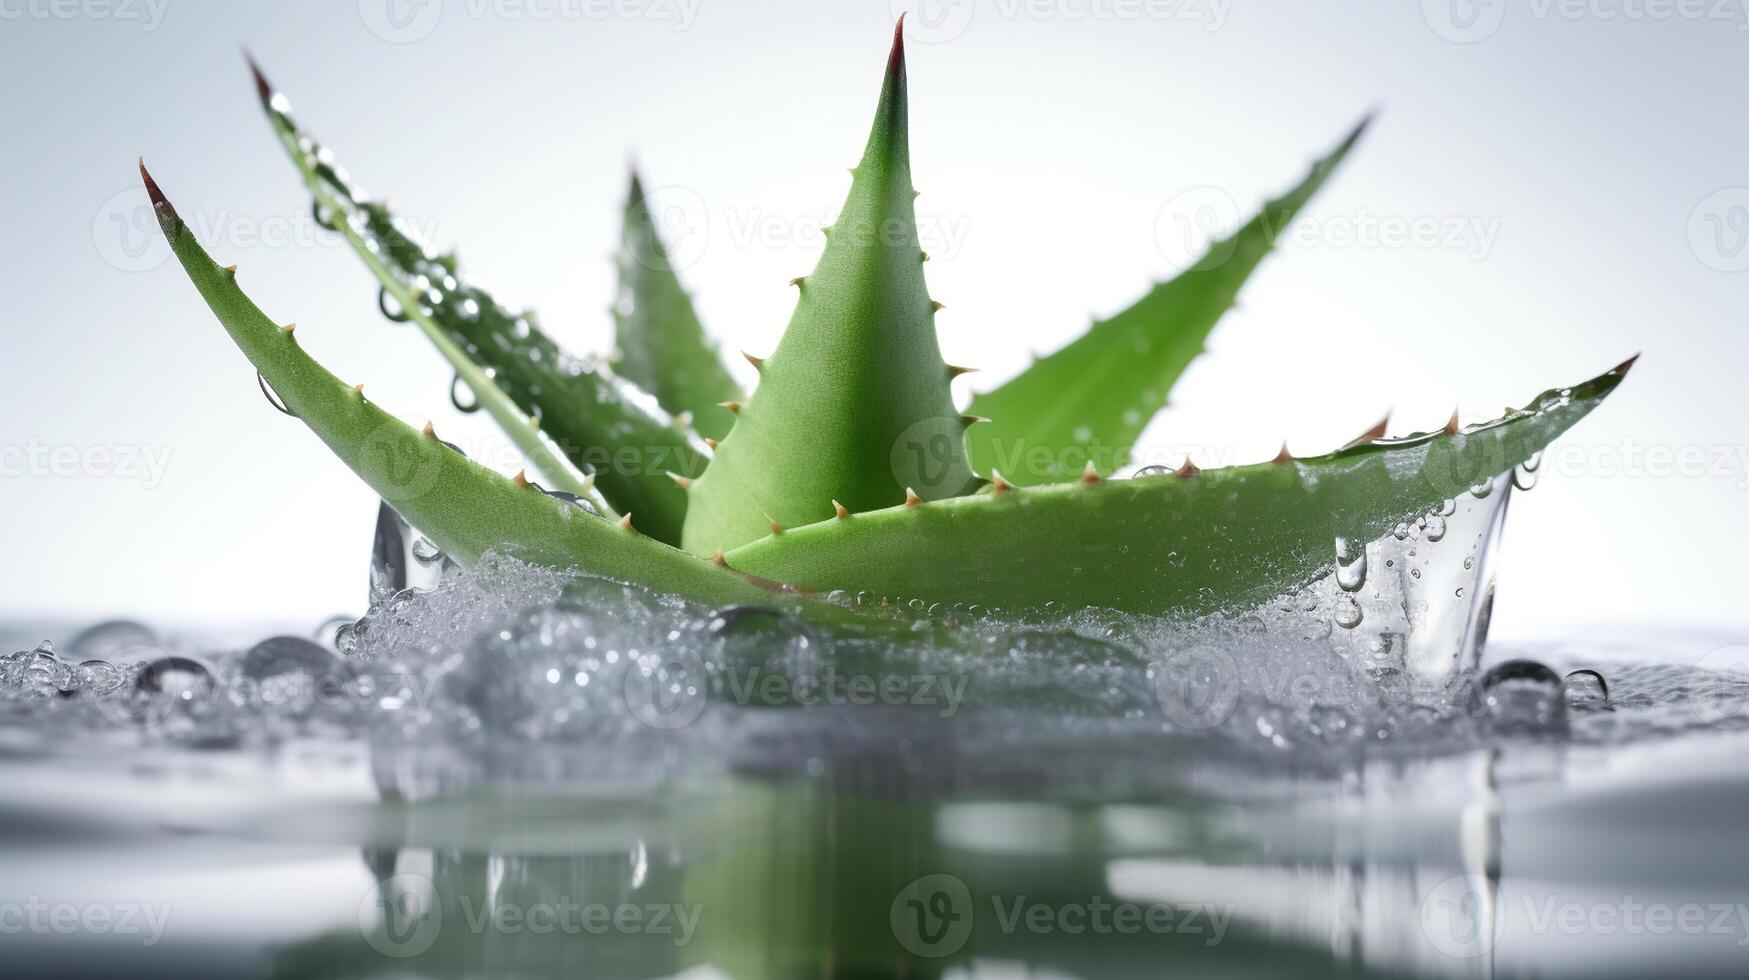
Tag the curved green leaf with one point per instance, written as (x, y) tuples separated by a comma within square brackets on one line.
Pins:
[(1216, 540), (855, 405), (603, 423), (1092, 399), (466, 508), (662, 346)]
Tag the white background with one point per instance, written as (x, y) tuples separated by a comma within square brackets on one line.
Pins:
[(1050, 139)]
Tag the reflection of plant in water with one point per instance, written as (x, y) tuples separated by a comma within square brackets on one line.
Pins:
[(850, 470), (774, 878)]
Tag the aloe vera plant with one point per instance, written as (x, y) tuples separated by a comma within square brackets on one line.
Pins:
[(849, 468)]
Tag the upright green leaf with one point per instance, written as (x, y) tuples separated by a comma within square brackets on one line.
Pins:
[(603, 423), (1091, 400), (662, 345), (1189, 543), (854, 406)]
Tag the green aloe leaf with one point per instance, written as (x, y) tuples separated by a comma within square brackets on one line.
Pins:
[(1185, 543), (1091, 400), (466, 508), (603, 423), (662, 345), (854, 406)]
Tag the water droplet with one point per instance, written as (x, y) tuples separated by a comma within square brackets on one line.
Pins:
[(1151, 471), (272, 396), (1401, 533), (580, 503), (463, 397), (1481, 490), (1446, 508), (322, 217), (391, 307), (1524, 477), (1435, 530)]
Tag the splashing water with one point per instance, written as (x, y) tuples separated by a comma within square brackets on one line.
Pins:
[(1380, 655)]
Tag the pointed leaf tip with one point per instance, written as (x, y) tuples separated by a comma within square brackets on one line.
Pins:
[(167, 217), (896, 58), (263, 88), (1624, 366)]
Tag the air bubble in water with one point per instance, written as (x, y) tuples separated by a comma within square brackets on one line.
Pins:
[(292, 671), (1350, 564), (1348, 612), (1523, 697), (1586, 690), (109, 639)]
